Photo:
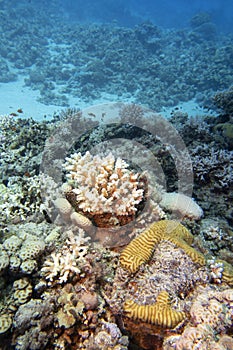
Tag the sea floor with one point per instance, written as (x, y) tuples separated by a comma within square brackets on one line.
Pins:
[(15, 95)]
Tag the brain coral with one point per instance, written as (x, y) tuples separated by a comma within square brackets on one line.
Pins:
[(141, 248), (160, 313)]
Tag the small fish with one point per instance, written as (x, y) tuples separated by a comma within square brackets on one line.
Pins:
[(27, 174), (92, 114), (13, 114), (20, 110)]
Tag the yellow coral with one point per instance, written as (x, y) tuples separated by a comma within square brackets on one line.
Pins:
[(160, 313), (227, 273), (141, 248)]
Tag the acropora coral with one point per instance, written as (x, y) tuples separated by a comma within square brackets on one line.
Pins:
[(103, 188)]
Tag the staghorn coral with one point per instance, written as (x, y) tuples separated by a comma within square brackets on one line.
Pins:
[(103, 188), (212, 165), (160, 313), (141, 248)]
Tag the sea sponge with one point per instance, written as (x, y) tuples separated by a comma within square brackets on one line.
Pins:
[(141, 248), (160, 313), (179, 202)]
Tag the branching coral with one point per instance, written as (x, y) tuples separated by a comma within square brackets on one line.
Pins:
[(104, 187), (213, 165), (65, 263)]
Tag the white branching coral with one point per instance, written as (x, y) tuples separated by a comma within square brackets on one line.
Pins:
[(103, 184), (64, 264)]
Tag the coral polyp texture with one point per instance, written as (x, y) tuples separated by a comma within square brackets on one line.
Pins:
[(211, 319), (140, 249), (103, 188), (160, 313)]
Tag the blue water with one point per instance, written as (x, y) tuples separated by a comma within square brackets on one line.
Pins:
[(166, 13)]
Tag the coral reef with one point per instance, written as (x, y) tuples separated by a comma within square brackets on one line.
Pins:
[(64, 264), (211, 318), (160, 313), (170, 269), (223, 101), (141, 248), (104, 188)]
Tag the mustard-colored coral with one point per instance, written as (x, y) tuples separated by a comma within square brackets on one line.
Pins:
[(160, 313), (140, 249), (227, 273)]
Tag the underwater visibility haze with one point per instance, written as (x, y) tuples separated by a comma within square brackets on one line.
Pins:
[(116, 155)]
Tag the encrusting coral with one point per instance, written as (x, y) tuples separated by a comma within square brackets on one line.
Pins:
[(210, 319), (160, 313), (182, 204), (141, 248), (103, 188)]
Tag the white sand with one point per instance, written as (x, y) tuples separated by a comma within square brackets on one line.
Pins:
[(15, 95)]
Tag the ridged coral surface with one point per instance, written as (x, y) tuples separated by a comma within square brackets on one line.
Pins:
[(141, 248), (160, 313)]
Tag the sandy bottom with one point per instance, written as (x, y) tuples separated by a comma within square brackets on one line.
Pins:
[(15, 95)]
